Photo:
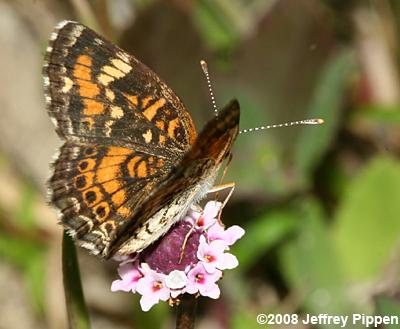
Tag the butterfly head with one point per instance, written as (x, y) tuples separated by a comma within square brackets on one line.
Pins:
[(218, 136)]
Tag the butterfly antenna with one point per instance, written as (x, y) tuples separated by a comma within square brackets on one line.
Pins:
[(204, 67), (286, 124)]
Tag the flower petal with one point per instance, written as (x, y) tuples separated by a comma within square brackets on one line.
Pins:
[(127, 271), (191, 288), (227, 261), (209, 267), (147, 302), (176, 279), (215, 232), (211, 210), (211, 290), (217, 246), (121, 285), (233, 233), (176, 292)]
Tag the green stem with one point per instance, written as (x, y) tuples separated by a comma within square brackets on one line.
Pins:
[(78, 316)]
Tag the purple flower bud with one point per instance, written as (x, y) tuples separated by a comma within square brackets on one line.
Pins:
[(165, 255)]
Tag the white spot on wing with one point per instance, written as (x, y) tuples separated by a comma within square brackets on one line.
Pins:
[(77, 31), (123, 56), (68, 83), (113, 71), (147, 136), (110, 94), (121, 65), (104, 79), (108, 125), (99, 41), (75, 203), (116, 112)]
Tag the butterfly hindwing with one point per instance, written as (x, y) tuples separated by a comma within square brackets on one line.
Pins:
[(97, 188)]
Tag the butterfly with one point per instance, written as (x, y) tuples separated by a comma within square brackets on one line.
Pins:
[(131, 163)]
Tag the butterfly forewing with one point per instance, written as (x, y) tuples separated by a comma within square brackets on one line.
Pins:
[(97, 92)]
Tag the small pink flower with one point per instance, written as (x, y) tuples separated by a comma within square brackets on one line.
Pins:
[(152, 287), (203, 282), (180, 262), (213, 257), (130, 276), (205, 219), (176, 281), (229, 236)]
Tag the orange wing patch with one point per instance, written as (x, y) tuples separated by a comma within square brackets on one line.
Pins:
[(108, 174), (124, 211), (83, 74), (146, 101), (111, 186), (142, 169), (92, 107), (133, 99), (172, 125), (119, 198), (131, 165), (151, 111), (115, 150)]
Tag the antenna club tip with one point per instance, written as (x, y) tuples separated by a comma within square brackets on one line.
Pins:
[(320, 121), (204, 65)]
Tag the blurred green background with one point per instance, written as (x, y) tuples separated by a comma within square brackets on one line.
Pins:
[(320, 204)]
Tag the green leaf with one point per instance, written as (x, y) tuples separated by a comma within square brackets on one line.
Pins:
[(311, 266), (378, 114), (24, 213), (17, 251), (35, 277), (217, 30), (326, 104), (78, 316), (367, 224), (261, 235), (29, 257)]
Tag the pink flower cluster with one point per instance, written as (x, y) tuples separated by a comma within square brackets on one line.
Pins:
[(200, 272)]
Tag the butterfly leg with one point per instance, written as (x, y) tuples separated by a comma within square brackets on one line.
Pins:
[(217, 188), (185, 241), (214, 189)]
